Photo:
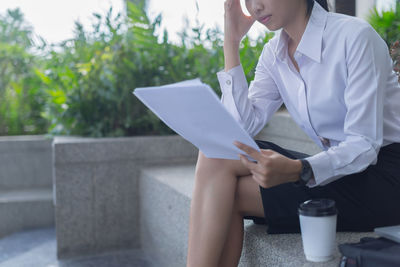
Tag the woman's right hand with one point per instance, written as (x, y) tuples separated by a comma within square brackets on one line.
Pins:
[(236, 23)]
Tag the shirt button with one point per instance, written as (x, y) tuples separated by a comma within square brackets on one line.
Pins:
[(228, 82)]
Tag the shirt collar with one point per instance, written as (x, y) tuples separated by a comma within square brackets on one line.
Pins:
[(311, 41)]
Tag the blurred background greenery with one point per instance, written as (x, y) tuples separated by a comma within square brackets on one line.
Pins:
[(387, 23), (84, 85)]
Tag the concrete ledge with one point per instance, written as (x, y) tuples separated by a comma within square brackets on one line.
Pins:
[(96, 189), (282, 130), (25, 162), (25, 209), (25, 183), (127, 193), (164, 213), (156, 149), (165, 194)]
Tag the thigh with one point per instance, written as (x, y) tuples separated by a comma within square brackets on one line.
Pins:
[(272, 205), (248, 198), (235, 167)]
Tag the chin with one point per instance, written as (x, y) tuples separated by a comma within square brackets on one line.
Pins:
[(272, 28), (269, 26)]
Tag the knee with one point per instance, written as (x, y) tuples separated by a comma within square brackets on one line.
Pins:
[(211, 166)]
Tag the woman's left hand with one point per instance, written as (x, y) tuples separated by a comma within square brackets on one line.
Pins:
[(271, 168)]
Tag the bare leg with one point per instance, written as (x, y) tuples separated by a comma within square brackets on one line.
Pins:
[(234, 243), (211, 209), (248, 202)]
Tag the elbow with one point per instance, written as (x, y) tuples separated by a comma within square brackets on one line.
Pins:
[(376, 144)]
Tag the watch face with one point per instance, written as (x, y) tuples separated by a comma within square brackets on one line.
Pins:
[(306, 173)]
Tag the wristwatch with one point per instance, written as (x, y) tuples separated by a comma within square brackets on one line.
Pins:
[(306, 173)]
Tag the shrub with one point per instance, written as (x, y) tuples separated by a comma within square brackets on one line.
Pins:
[(21, 98), (386, 23), (395, 53), (90, 82), (83, 86)]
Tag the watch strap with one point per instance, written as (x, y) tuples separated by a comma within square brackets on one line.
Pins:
[(306, 173)]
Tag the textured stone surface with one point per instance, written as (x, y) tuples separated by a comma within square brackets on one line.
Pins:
[(140, 148), (38, 248), (25, 162), (96, 207), (164, 213), (96, 193), (25, 209), (165, 193), (25, 183), (282, 130), (262, 249), (125, 192)]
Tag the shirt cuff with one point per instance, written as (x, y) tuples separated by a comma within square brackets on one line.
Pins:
[(232, 79), (322, 168)]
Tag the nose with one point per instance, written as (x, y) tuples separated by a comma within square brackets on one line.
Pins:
[(258, 7)]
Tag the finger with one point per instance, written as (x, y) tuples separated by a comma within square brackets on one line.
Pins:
[(253, 167), (267, 151), (250, 165), (258, 179), (229, 3), (236, 2), (249, 17), (249, 150)]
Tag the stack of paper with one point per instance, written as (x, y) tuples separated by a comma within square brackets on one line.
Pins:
[(194, 111)]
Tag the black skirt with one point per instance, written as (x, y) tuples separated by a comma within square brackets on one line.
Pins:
[(364, 200)]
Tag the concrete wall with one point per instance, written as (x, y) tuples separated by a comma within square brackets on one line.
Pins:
[(26, 199), (25, 162), (283, 130), (96, 183)]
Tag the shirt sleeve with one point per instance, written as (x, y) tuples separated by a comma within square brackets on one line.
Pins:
[(251, 106), (369, 64)]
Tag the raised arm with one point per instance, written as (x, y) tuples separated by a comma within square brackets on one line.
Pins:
[(251, 105), (236, 25)]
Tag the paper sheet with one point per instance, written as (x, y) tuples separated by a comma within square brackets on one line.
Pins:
[(195, 112)]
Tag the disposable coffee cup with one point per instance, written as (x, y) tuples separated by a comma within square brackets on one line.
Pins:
[(318, 229)]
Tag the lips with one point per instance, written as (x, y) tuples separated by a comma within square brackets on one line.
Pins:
[(265, 19)]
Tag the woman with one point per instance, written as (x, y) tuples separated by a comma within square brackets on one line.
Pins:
[(334, 74)]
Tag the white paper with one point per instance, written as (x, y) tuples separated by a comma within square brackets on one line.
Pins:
[(194, 111)]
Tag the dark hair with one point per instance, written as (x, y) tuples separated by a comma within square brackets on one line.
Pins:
[(310, 4)]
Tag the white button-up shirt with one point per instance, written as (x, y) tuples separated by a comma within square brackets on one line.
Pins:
[(346, 97)]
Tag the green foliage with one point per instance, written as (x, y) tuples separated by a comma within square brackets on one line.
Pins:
[(386, 23), (21, 99), (395, 53), (87, 82)]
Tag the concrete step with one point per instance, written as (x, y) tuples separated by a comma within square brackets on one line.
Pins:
[(165, 195), (284, 131), (25, 162), (38, 248), (25, 209)]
